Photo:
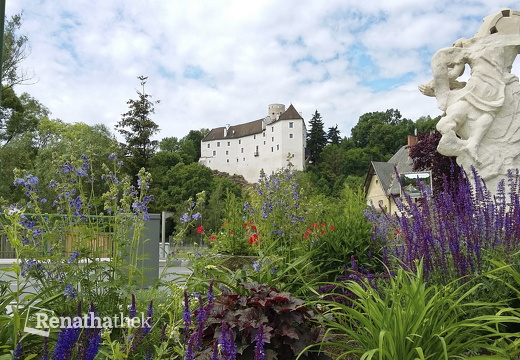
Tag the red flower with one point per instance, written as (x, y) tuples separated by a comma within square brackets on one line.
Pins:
[(323, 232), (314, 225), (231, 232), (213, 238), (253, 227), (200, 229), (331, 228), (253, 240)]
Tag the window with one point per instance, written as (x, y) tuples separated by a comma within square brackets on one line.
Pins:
[(242, 150), (209, 145), (291, 136), (272, 149), (227, 152), (272, 128), (272, 139), (218, 143), (214, 152), (291, 124), (229, 143), (243, 159), (237, 159), (254, 137), (263, 134), (380, 203), (239, 141), (227, 160), (277, 147)]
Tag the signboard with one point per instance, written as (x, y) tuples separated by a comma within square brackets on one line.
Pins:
[(411, 183)]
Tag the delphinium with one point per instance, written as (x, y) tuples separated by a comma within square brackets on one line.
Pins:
[(277, 211)]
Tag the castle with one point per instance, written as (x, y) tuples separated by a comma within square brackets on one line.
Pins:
[(266, 144)]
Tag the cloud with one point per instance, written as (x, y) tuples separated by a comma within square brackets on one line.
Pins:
[(213, 63)]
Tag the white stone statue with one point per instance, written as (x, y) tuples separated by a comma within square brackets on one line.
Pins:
[(481, 120)]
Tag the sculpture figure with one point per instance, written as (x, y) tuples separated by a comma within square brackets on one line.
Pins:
[(481, 123)]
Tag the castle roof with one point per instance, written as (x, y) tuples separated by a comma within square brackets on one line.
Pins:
[(249, 128)]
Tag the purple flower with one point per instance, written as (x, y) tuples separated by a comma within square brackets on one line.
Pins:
[(18, 350), (67, 339), (196, 216), (185, 218), (73, 257), (260, 342), (186, 316), (132, 311), (69, 292)]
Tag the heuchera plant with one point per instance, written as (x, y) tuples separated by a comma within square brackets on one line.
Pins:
[(261, 314)]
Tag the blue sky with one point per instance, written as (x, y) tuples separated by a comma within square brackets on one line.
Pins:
[(221, 62)]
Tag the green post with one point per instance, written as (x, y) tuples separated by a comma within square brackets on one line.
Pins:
[(2, 17)]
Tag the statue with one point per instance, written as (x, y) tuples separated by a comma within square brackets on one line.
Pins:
[(481, 120)]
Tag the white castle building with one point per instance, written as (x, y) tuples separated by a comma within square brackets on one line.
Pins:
[(266, 143)]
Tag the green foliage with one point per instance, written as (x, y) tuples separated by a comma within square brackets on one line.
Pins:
[(316, 137), (331, 251), (139, 144), (15, 51), (407, 320), (333, 135), (386, 130)]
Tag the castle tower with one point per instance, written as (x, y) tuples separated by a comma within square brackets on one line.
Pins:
[(274, 111)]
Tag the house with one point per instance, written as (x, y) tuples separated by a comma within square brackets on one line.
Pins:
[(266, 143), (381, 184)]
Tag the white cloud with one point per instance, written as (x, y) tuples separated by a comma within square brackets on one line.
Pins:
[(212, 63)]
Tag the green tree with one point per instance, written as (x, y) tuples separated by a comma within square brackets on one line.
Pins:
[(333, 135), (316, 137), (426, 124), (137, 128), (19, 115), (15, 51), (386, 130)]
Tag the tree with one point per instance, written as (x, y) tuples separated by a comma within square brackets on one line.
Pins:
[(15, 51), (139, 145), (386, 130), (333, 135), (426, 157), (316, 137), (19, 115)]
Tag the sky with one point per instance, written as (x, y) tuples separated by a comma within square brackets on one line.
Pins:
[(218, 62)]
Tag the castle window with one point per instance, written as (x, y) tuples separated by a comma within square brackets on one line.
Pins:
[(272, 139), (214, 152), (243, 159), (227, 160), (291, 124), (277, 147), (272, 128), (291, 136), (218, 143), (239, 141), (227, 152), (229, 143), (254, 137), (209, 145), (263, 133), (242, 150), (272, 149)]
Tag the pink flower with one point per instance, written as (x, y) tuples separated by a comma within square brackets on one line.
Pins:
[(200, 229)]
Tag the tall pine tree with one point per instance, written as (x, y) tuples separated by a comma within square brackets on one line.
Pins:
[(316, 137), (137, 128), (333, 135)]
